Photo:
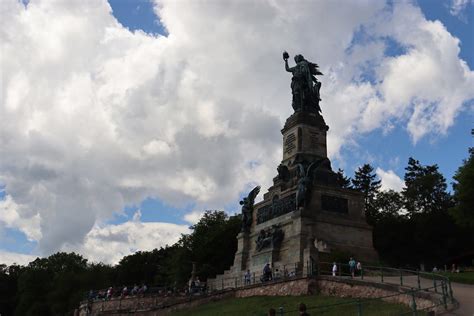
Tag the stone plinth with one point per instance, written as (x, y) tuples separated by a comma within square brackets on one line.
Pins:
[(330, 217), (304, 135)]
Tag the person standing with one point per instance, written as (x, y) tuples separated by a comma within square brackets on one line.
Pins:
[(334, 269), (267, 272), (247, 277), (359, 267), (352, 266)]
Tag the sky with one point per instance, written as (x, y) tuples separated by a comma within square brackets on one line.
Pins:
[(122, 121)]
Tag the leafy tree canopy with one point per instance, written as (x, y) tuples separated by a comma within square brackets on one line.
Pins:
[(463, 211), (342, 180), (366, 181), (425, 189)]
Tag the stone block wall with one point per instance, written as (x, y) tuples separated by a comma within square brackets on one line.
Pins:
[(361, 289), (346, 288), (295, 287)]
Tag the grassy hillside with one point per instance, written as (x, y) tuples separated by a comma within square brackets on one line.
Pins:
[(260, 305), (463, 277)]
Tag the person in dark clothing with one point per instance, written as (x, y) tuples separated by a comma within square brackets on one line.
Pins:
[(267, 273), (302, 309)]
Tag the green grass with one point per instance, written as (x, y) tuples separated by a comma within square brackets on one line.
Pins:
[(462, 277), (259, 305)]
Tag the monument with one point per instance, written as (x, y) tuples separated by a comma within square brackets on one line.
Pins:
[(305, 213)]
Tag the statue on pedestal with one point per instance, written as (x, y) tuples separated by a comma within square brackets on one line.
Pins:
[(305, 181), (247, 208), (304, 85)]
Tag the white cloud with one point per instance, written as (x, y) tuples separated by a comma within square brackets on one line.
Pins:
[(157, 147), (20, 217), (458, 6), (95, 117), (9, 258), (193, 217), (390, 180), (110, 243)]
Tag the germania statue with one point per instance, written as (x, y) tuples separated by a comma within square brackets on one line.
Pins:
[(304, 85)]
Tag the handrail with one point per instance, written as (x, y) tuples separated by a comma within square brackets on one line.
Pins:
[(441, 284)]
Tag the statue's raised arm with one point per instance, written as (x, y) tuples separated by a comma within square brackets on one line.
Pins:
[(304, 85), (285, 58)]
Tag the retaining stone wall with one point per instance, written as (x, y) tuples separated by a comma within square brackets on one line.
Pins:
[(154, 306)]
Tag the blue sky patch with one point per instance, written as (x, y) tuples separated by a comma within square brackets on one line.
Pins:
[(393, 48), (154, 210), (14, 240), (137, 15), (394, 148)]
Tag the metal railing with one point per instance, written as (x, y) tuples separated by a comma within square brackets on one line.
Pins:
[(403, 277), (413, 285), (278, 273)]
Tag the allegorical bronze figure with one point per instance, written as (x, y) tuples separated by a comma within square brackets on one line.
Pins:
[(247, 208), (304, 85)]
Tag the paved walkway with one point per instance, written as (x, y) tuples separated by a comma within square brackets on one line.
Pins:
[(464, 293)]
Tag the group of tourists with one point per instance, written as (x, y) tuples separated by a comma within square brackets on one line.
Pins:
[(109, 293), (354, 267), (454, 269), (269, 275), (195, 286)]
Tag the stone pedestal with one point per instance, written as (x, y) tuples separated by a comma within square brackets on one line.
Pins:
[(332, 218), (242, 254), (260, 258), (304, 135)]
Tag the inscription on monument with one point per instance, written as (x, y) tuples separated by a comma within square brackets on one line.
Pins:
[(277, 208), (314, 139), (290, 143), (334, 204)]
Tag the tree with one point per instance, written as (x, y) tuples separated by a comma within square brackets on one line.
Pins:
[(142, 266), (365, 181), (51, 286), (213, 242), (388, 204), (463, 211), (428, 233), (342, 180), (8, 288), (393, 239), (211, 245), (425, 189), (179, 263)]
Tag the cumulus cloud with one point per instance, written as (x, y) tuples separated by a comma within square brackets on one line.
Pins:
[(390, 180), (95, 117), (9, 258), (110, 243), (193, 217), (20, 217)]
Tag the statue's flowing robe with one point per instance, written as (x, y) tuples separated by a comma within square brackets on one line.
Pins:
[(301, 84)]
